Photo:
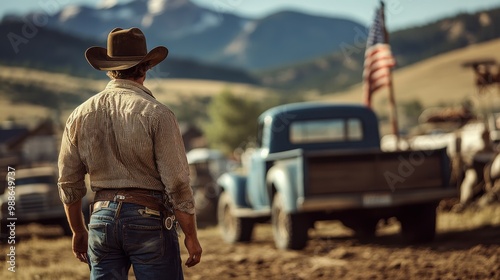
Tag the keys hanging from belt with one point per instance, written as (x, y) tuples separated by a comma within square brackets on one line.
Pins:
[(168, 222), (149, 212)]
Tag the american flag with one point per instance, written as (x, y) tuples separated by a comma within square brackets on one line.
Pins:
[(378, 58)]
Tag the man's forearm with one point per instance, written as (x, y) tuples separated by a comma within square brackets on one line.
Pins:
[(75, 216), (188, 225), (187, 222)]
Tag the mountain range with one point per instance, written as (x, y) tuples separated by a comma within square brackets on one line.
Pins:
[(337, 71), (288, 50), (210, 36), (57, 51)]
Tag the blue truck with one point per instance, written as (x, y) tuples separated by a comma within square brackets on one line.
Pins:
[(318, 161)]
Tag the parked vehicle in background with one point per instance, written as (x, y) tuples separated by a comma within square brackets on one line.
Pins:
[(323, 162), (471, 142), (206, 165), (36, 199)]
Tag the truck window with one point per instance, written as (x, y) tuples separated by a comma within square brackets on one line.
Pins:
[(35, 180), (333, 130), (354, 130)]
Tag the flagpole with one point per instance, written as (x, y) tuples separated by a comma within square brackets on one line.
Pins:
[(393, 109), (392, 100)]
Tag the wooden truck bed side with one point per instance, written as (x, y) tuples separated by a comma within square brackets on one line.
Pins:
[(374, 171)]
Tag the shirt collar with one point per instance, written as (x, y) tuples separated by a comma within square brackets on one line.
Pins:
[(128, 84)]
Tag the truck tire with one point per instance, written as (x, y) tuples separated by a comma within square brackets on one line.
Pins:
[(233, 229), (289, 230), (418, 223)]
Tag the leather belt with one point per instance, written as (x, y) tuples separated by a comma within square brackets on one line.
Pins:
[(137, 196)]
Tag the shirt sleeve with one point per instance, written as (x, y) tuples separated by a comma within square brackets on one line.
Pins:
[(172, 164), (71, 183)]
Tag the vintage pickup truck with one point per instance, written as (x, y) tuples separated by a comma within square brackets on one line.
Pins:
[(319, 161), (33, 198)]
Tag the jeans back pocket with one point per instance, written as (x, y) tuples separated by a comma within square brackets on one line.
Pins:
[(98, 244), (144, 239)]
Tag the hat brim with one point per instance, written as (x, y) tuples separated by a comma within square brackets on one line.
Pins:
[(98, 58)]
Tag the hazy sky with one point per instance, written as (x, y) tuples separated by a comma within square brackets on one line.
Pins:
[(400, 13)]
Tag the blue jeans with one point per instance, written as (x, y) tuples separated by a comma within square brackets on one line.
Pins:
[(130, 237)]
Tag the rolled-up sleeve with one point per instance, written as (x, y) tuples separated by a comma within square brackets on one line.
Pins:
[(172, 164), (71, 183)]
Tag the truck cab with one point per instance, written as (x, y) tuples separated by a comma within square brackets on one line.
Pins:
[(308, 127)]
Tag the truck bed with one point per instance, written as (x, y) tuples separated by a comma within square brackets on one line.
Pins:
[(372, 171)]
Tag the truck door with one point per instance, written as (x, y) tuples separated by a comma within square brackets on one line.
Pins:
[(256, 184)]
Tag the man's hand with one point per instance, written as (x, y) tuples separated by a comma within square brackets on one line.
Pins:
[(80, 233), (79, 245), (194, 249), (188, 226)]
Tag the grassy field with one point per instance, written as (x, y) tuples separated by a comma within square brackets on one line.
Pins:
[(168, 91), (437, 80)]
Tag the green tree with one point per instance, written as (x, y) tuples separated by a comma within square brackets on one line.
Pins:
[(191, 110), (232, 121)]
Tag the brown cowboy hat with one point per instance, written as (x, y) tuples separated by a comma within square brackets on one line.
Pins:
[(126, 49)]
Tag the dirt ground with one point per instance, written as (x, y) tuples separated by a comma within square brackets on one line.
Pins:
[(467, 247)]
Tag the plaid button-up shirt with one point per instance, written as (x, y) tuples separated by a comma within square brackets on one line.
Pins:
[(124, 138)]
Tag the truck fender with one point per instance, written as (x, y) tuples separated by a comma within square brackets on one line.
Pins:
[(282, 178), (495, 168), (235, 185)]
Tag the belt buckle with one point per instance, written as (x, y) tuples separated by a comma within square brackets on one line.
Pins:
[(169, 222)]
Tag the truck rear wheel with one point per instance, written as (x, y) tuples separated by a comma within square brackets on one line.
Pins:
[(233, 229), (289, 230), (418, 223), (206, 207)]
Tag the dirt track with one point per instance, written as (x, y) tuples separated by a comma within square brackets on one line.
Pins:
[(333, 253), (467, 247)]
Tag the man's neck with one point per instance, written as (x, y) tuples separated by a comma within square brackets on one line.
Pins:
[(139, 81)]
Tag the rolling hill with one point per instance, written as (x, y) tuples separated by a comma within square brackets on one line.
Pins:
[(438, 80), (322, 54), (338, 71), (26, 95)]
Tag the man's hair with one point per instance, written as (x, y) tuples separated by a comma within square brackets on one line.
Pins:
[(135, 72)]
